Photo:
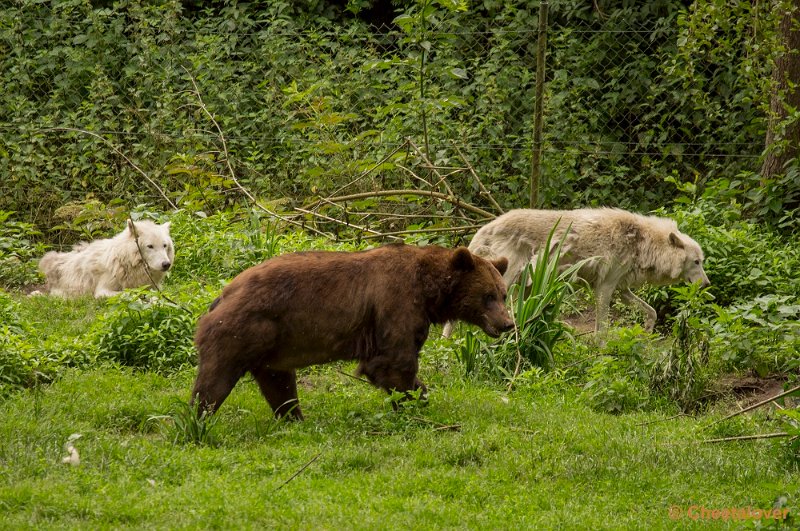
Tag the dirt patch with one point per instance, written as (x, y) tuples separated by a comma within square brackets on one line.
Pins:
[(749, 390)]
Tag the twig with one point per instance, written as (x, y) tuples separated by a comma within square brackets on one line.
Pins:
[(484, 191), (748, 437), (353, 377), (754, 406), (421, 231), (430, 164), (372, 168), (121, 154), (298, 472), (439, 425), (414, 175), (673, 417)]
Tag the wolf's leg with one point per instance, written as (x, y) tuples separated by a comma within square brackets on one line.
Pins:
[(105, 287), (602, 296), (650, 314)]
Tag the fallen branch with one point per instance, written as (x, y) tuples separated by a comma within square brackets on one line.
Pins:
[(345, 223), (439, 425), (421, 231), (363, 380), (372, 168), (748, 437), (431, 166), (755, 406)]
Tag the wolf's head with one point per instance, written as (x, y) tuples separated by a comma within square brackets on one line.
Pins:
[(155, 244), (692, 259)]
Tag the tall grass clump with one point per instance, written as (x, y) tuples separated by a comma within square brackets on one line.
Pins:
[(186, 424), (535, 302)]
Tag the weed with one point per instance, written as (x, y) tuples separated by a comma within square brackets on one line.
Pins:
[(680, 371), (186, 424)]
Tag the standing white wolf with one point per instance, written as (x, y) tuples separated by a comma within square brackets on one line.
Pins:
[(623, 251), (141, 252)]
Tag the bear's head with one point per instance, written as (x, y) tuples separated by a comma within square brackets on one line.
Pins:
[(477, 292)]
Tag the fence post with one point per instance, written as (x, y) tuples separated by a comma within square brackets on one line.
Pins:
[(536, 154)]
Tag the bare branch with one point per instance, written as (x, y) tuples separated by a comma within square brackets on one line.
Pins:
[(484, 191), (121, 154), (423, 193)]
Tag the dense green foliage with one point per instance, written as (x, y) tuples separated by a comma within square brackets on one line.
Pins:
[(308, 98)]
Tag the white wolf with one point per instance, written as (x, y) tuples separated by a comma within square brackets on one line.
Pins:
[(624, 250), (141, 252)]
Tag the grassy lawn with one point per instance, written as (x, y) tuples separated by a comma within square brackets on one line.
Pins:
[(475, 457)]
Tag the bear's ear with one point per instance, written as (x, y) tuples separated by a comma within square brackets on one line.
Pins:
[(501, 264), (675, 240), (462, 260)]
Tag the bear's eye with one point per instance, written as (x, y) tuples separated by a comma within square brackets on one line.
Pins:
[(488, 299)]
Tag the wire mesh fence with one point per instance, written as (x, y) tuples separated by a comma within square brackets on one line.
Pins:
[(140, 106)]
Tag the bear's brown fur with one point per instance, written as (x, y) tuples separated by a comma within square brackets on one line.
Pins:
[(314, 307)]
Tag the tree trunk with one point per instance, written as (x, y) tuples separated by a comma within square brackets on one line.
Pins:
[(786, 93)]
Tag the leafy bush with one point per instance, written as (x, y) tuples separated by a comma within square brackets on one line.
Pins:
[(762, 335), (617, 380), (147, 332), (220, 246), (27, 360), (19, 254)]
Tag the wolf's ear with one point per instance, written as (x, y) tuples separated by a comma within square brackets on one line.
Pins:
[(462, 260), (501, 264), (167, 225), (131, 227), (675, 240)]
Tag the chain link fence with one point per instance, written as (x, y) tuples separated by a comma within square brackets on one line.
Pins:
[(148, 107)]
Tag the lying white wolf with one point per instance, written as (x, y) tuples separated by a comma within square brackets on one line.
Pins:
[(141, 252), (625, 250)]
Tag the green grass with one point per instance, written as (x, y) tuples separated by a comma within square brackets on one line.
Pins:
[(474, 457), (542, 455)]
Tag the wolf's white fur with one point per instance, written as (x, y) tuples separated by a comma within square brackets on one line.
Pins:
[(624, 251), (106, 267)]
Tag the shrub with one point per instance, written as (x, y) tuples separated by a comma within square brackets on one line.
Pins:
[(18, 253), (618, 380), (147, 332)]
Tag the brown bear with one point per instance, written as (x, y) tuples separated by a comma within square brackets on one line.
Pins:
[(374, 306)]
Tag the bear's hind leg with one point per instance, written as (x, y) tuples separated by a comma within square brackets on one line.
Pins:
[(280, 390)]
